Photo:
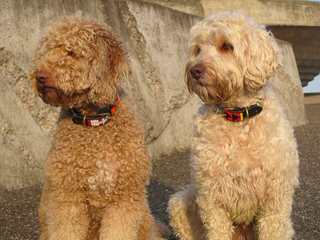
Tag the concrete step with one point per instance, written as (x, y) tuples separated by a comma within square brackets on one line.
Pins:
[(313, 114)]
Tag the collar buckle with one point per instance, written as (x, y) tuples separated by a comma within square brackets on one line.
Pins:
[(101, 118), (238, 114), (233, 116)]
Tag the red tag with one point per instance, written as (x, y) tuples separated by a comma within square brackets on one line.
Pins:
[(233, 116)]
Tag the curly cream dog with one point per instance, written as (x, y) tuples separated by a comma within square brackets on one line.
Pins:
[(98, 168), (244, 154)]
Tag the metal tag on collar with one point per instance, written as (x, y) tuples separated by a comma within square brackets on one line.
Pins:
[(95, 122)]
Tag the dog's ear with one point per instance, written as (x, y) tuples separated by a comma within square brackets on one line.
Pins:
[(110, 68), (262, 58), (117, 56)]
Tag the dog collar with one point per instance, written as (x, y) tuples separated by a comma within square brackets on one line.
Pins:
[(101, 118), (239, 114)]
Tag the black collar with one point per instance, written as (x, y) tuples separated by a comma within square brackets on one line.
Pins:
[(239, 114), (102, 117)]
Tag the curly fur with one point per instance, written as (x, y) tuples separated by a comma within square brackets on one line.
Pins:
[(254, 59), (95, 178), (81, 57), (243, 173)]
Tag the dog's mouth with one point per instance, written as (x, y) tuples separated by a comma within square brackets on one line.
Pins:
[(50, 95), (46, 89), (210, 87), (202, 82), (57, 97), (209, 93), (204, 88)]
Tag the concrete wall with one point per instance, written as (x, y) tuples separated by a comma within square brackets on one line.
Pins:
[(294, 21), (269, 12), (306, 46), (287, 86), (193, 7), (156, 39), (157, 56)]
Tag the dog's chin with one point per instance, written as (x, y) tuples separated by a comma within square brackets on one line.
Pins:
[(58, 98), (54, 97), (207, 93), (49, 96)]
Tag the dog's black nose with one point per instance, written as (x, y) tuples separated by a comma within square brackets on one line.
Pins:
[(41, 77), (42, 80), (197, 71)]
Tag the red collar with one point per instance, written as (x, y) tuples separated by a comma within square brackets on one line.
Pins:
[(103, 115), (239, 114)]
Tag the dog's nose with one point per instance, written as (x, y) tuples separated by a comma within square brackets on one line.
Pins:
[(41, 77), (197, 71)]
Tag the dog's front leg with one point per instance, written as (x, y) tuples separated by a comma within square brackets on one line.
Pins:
[(274, 221), (123, 220), (184, 215), (215, 219), (66, 218)]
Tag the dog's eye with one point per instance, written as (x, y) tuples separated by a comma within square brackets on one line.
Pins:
[(227, 47), (196, 50)]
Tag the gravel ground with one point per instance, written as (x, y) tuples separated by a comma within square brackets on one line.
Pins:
[(18, 217)]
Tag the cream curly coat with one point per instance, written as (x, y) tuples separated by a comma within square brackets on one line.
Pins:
[(244, 172), (95, 178)]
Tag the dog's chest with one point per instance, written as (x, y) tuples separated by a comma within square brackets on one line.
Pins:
[(238, 162), (235, 147), (230, 158), (90, 159)]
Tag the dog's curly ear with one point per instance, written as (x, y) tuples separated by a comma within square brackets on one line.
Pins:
[(118, 62), (110, 68), (262, 58)]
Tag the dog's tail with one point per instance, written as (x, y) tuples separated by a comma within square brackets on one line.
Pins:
[(184, 216)]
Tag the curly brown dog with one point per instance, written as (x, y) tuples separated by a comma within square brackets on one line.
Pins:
[(98, 168)]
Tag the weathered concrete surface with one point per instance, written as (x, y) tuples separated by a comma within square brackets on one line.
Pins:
[(294, 21), (312, 99), (306, 46), (156, 87), (158, 54), (25, 123), (156, 39), (287, 86), (269, 12), (193, 7), (18, 209)]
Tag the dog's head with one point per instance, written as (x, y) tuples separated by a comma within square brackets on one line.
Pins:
[(229, 55), (79, 62)]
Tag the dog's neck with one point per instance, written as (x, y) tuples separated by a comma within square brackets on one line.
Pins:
[(242, 107), (243, 100), (91, 109), (92, 115)]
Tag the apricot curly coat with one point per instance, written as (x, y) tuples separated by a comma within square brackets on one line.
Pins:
[(244, 173), (95, 177)]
